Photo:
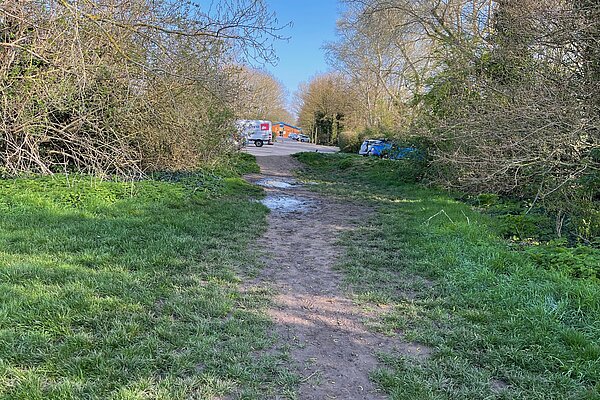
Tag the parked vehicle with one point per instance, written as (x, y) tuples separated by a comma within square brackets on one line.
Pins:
[(294, 136), (304, 138), (258, 132), (385, 149), (366, 149), (381, 149)]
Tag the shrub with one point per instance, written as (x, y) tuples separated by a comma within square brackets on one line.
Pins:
[(349, 141), (580, 262), (526, 226), (121, 89)]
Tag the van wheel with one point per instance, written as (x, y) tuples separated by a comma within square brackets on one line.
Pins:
[(258, 143)]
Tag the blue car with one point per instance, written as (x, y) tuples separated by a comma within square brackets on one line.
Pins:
[(367, 145), (385, 149), (381, 149)]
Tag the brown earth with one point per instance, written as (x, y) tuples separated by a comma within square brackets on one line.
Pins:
[(332, 350)]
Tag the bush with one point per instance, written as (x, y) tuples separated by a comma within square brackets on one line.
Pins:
[(79, 96), (350, 141), (526, 226), (579, 262)]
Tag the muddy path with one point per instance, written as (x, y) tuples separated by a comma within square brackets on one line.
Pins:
[(332, 350)]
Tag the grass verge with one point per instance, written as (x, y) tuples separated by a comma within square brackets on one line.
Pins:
[(499, 326), (112, 290)]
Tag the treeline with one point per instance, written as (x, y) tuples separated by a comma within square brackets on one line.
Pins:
[(262, 96), (505, 94), (123, 87)]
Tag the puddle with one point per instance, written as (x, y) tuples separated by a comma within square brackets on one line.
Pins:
[(276, 184), (285, 203)]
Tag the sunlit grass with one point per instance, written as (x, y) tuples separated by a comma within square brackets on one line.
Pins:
[(131, 291), (499, 326)]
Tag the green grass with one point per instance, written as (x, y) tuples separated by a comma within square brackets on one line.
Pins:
[(500, 326), (112, 290)]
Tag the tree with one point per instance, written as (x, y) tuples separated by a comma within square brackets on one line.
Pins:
[(505, 90), (114, 86), (322, 105), (262, 96), (384, 62)]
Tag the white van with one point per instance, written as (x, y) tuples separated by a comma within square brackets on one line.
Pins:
[(256, 131)]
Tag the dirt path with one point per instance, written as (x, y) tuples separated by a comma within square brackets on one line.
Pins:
[(333, 351)]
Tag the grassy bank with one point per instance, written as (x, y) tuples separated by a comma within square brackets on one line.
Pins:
[(499, 324), (112, 290)]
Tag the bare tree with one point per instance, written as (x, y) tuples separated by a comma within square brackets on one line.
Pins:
[(372, 52), (109, 86), (262, 96), (506, 90)]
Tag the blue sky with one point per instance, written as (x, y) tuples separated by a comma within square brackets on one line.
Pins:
[(301, 57)]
